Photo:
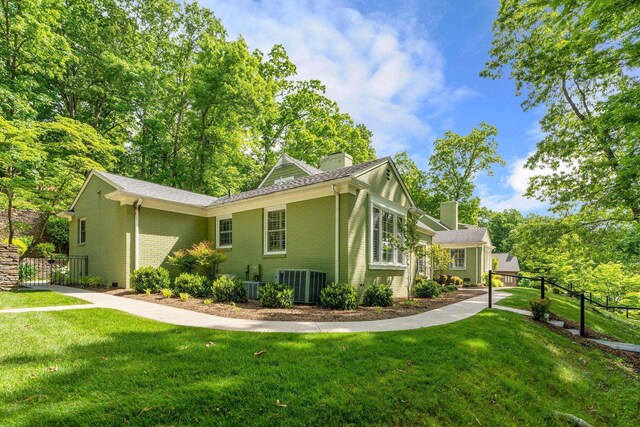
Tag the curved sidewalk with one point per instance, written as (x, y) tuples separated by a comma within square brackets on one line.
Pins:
[(177, 316)]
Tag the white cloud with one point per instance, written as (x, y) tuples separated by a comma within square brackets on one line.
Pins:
[(384, 76)]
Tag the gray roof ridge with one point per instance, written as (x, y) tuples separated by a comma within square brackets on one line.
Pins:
[(99, 172)]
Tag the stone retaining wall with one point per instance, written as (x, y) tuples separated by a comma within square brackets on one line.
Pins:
[(9, 266)]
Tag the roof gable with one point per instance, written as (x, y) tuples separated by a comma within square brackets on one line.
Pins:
[(506, 262), (286, 167), (387, 162)]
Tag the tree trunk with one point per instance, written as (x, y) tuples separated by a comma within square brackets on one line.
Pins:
[(10, 220)]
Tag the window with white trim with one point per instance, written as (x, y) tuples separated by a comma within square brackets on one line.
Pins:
[(458, 261), (422, 262), (225, 232), (275, 228), (82, 231), (385, 225)]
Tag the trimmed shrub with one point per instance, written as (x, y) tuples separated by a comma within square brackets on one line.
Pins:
[(207, 302), (339, 296), (539, 307), (60, 276), (91, 281), (166, 292), (191, 284), (455, 280), (150, 278), (27, 271), (276, 295), (426, 289), (228, 289), (378, 295), (450, 288), (184, 297)]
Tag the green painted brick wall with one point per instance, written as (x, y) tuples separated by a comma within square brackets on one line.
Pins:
[(284, 172), (109, 233), (162, 232), (309, 234), (472, 266)]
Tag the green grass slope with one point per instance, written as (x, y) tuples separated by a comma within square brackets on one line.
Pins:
[(569, 308), (104, 367), (25, 298)]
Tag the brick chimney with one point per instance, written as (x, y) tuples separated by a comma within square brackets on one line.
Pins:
[(449, 214), (335, 161)]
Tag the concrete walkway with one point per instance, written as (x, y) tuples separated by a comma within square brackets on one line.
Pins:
[(177, 316)]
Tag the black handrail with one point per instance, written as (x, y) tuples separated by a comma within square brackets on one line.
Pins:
[(572, 294)]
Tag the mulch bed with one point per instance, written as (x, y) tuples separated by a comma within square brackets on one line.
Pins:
[(306, 313)]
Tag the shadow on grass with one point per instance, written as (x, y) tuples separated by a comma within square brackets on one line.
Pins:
[(109, 368)]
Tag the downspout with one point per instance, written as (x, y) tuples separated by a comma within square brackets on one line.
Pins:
[(136, 259), (337, 235), (477, 264)]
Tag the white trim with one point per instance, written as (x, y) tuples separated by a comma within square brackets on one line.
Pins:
[(136, 243), (391, 208), (398, 177), (218, 219), (266, 229), (81, 219), (337, 237), (464, 265)]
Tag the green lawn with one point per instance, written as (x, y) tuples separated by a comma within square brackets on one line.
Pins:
[(569, 308), (24, 298), (104, 367)]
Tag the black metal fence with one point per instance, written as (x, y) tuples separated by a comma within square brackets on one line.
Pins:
[(58, 270), (569, 289)]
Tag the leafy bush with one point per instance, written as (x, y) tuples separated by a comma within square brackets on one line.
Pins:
[(184, 297), (450, 288), (147, 291), (276, 295), (192, 284), (426, 289), (378, 295), (454, 280), (207, 302), (496, 280), (91, 281), (27, 271), (150, 278), (22, 244), (539, 307), (166, 292), (228, 289), (200, 258), (339, 296), (60, 276), (45, 250)]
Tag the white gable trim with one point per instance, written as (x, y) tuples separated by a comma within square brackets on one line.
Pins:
[(86, 181), (397, 174), (279, 163)]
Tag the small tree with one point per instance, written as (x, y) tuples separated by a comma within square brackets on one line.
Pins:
[(494, 264), (408, 241), (200, 258), (440, 259)]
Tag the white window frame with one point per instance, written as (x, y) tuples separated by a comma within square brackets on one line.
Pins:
[(266, 229), (452, 266), (397, 211), (79, 237), (284, 179), (424, 260), (223, 218)]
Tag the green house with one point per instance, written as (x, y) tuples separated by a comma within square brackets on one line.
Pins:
[(337, 220), (470, 246)]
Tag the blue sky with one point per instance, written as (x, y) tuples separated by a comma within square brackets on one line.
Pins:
[(408, 70)]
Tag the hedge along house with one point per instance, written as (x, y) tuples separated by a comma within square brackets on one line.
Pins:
[(337, 219), (470, 246)]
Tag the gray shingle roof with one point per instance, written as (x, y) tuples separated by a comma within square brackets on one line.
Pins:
[(300, 182), (468, 235), (157, 191), (506, 262), (163, 192), (302, 165)]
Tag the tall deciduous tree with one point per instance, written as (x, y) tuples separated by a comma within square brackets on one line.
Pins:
[(456, 162), (579, 60)]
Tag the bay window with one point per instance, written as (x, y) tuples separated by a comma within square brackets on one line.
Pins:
[(386, 228)]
